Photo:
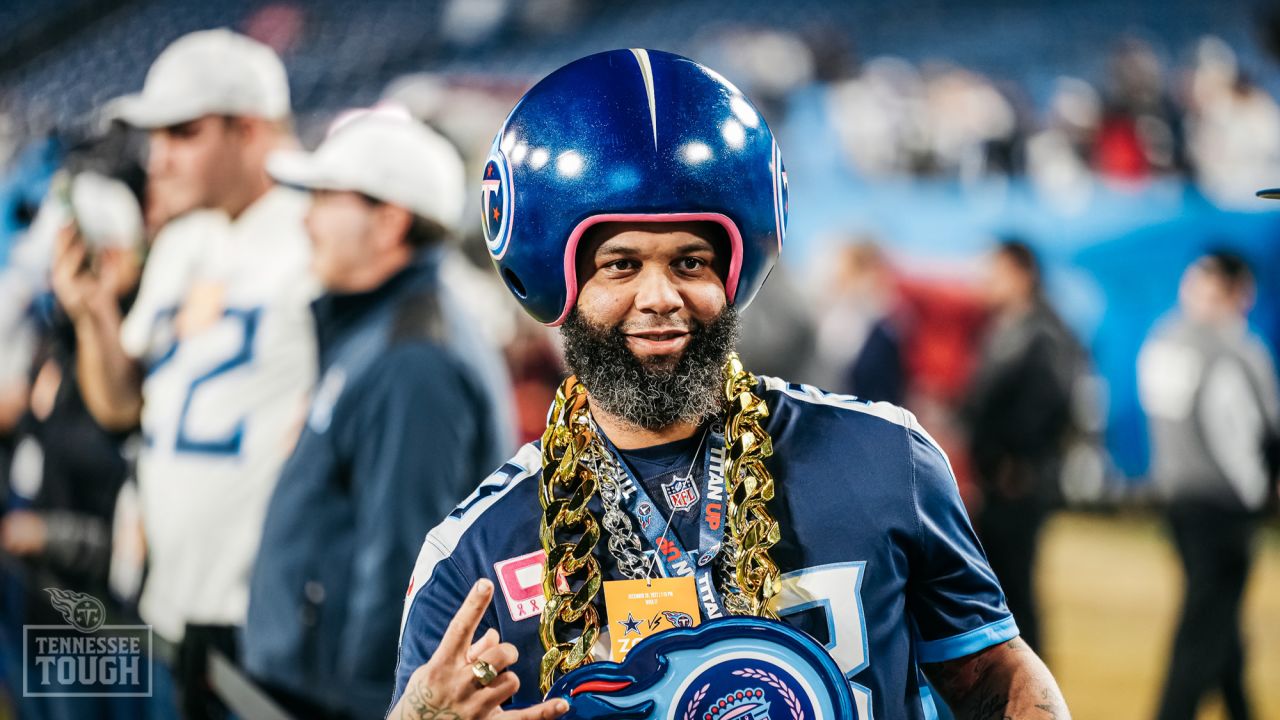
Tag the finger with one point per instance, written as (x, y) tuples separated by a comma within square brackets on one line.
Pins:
[(501, 656), (64, 239), (548, 710), (108, 269), (69, 239), (487, 640), (67, 263), (499, 691), (457, 637)]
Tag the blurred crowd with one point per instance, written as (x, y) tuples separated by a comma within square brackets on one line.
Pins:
[(1205, 120), (181, 250)]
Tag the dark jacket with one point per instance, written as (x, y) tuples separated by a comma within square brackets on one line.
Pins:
[(403, 423), (82, 468), (1018, 409)]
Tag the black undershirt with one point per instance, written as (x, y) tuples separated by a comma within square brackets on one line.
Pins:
[(659, 465)]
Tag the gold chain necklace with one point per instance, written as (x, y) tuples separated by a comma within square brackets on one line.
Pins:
[(748, 578), (750, 531)]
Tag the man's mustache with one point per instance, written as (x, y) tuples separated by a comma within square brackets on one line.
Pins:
[(673, 325)]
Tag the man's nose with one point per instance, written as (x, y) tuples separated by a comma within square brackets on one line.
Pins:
[(157, 153), (309, 220), (657, 293)]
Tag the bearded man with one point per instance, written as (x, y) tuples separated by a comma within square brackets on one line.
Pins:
[(637, 200)]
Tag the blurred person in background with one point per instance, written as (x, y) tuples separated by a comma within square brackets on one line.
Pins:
[(1208, 386), (875, 117), (1233, 127), (971, 126), (24, 180), (1017, 412), (410, 414), (859, 345), (217, 353), (1140, 134), (68, 470), (1058, 156), (779, 336)]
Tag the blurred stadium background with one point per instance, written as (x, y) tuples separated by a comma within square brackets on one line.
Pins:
[(1119, 139)]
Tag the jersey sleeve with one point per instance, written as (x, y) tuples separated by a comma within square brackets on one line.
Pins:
[(952, 594), (137, 328)]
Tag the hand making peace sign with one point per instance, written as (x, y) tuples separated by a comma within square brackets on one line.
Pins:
[(469, 683)]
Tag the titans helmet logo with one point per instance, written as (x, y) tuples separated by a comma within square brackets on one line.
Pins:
[(732, 669), (496, 203)]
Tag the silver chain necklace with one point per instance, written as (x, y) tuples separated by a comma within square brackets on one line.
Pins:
[(624, 542)]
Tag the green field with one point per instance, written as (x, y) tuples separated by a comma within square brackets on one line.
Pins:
[(1111, 589)]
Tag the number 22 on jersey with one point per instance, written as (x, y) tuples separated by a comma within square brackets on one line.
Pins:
[(228, 357)]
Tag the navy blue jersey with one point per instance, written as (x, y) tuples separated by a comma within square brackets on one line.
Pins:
[(878, 558)]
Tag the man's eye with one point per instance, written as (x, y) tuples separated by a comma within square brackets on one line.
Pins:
[(183, 131), (691, 264), (622, 265)]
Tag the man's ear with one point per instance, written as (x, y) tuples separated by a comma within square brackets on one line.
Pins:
[(393, 225)]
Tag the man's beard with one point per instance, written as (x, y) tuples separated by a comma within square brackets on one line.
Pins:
[(652, 394)]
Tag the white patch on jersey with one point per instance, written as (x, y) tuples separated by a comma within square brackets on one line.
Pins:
[(646, 72), (444, 538), (520, 579)]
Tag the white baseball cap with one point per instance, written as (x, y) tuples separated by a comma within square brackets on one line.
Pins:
[(209, 72), (386, 155)]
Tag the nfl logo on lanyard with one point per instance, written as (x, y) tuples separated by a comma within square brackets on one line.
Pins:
[(739, 668), (682, 493)]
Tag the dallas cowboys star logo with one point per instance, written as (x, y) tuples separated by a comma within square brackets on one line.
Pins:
[(630, 625)]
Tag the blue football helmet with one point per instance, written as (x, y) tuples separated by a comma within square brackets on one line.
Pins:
[(627, 136)]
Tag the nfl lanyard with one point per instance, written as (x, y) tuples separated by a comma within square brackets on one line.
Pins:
[(673, 559)]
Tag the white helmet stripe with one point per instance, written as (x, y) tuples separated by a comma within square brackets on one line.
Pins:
[(646, 72)]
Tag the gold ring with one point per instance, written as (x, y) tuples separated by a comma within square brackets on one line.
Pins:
[(484, 672)]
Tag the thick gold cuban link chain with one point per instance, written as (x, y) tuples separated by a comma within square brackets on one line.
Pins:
[(750, 530), (570, 533)]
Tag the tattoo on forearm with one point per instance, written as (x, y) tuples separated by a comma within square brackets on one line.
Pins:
[(1047, 703), (420, 705), (991, 707), (1003, 682)]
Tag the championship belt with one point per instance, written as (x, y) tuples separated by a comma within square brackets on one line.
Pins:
[(738, 668)]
